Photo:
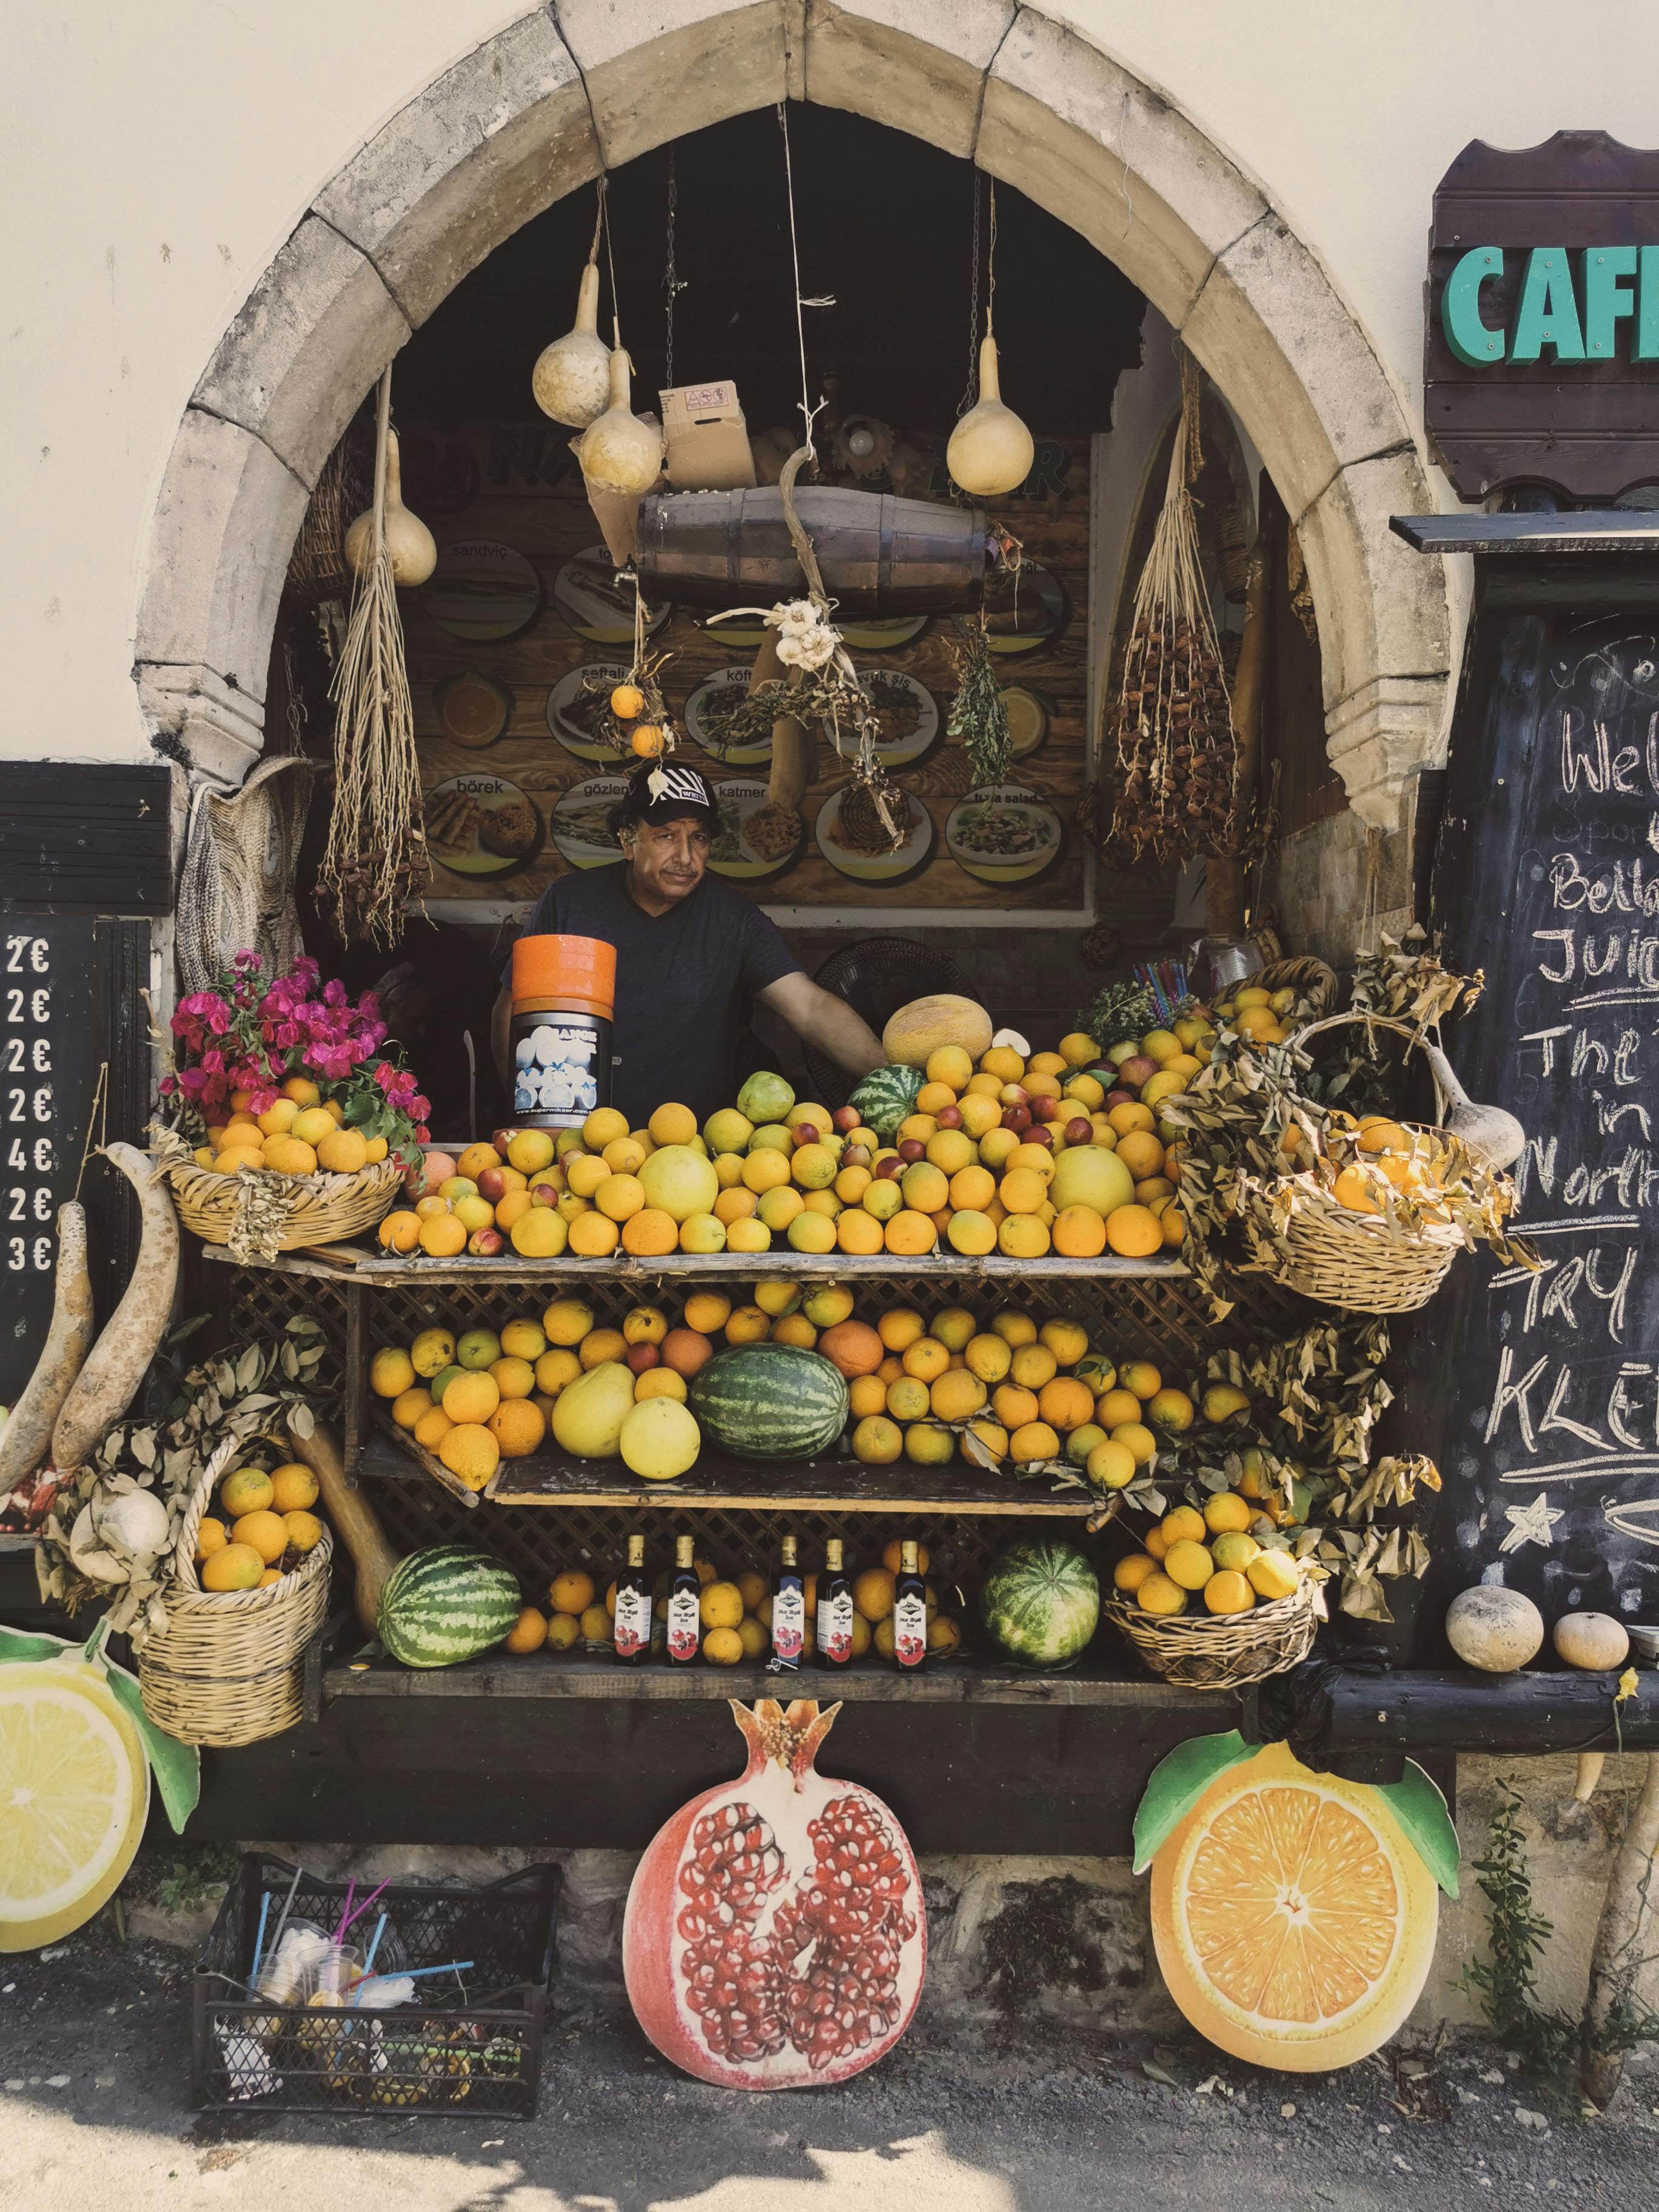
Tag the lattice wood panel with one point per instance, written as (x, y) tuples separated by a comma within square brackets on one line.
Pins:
[(1164, 1319)]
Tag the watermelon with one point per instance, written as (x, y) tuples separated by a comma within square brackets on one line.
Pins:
[(769, 1402), (441, 1606), (1041, 1600), (885, 1097)]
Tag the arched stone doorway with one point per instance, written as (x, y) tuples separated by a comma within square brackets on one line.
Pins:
[(547, 103)]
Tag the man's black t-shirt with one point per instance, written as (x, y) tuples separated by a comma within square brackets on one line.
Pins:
[(684, 982)]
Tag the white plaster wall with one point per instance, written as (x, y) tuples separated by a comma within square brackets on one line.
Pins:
[(154, 158)]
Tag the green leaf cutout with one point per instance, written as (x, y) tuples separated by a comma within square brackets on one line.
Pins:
[(1177, 1781), (177, 1767), (1418, 1805)]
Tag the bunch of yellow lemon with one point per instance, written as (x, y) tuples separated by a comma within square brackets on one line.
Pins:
[(264, 1528), (1224, 1552), (300, 1133)]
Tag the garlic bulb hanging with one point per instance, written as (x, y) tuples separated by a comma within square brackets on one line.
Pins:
[(991, 451), (408, 542), (572, 377), (618, 453)]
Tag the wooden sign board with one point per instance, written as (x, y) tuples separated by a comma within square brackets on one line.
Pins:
[(1541, 360)]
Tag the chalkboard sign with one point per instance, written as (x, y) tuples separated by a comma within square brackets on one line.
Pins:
[(69, 1004), (1539, 1393)]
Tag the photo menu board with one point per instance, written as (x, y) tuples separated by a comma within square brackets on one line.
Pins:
[(524, 605)]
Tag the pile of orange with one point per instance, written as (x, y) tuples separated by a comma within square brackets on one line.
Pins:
[(262, 1526), (298, 1134), (1227, 1552)]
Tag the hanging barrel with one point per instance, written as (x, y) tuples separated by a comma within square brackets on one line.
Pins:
[(878, 554)]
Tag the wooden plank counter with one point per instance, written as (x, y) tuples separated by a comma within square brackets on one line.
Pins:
[(382, 1269)]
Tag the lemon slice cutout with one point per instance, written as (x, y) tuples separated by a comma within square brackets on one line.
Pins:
[(74, 1794), (1294, 1920)]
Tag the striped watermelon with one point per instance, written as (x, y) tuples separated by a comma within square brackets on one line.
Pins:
[(769, 1402), (1041, 1600), (885, 1097), (442, 1606)]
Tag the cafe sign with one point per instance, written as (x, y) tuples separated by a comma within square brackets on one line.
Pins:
[(1542, 354)]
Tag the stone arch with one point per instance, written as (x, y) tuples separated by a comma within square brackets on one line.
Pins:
[(542, 106)]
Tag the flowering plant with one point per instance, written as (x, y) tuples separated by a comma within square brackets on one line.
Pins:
[(239, 1042)]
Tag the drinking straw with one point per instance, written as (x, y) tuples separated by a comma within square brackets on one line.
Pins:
[(414, 1973), (345, 1917), (259, 1939), (374, 1945), (361, 1909), (288, 1906)]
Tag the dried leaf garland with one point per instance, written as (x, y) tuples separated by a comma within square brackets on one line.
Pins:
[(979, 713)]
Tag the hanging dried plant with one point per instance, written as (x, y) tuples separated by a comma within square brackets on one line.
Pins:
[(376, 859), (1177, 754), (979, 716)]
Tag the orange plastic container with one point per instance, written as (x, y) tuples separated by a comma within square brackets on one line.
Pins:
[(573, 975)]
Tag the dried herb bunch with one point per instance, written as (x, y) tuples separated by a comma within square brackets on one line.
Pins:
[(979, 713), (1177, 753), (1119, 1011)]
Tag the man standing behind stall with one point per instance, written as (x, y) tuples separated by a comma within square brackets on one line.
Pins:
[(691, 954)]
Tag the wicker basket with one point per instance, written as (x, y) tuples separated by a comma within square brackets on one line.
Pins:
[(228, 1668), (322, 1209), (1213, 1651), (1310, 979)]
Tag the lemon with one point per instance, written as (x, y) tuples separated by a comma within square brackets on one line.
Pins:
[(1273, 1575), (1226, 1513), (74, 1794), (1188, 1563)]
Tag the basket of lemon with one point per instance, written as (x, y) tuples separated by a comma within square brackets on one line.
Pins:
[(262, 1192), (247, 1592), (1208, 1607), (1368, 1214)]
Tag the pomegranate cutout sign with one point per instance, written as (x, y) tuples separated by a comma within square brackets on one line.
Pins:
[(776, 1934)]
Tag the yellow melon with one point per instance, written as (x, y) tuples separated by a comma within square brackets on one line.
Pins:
[(917, 1031)]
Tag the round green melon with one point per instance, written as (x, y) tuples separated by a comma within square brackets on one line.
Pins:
[(1041, 1602), (885, 1097), (447, 1604), (769, 1402)]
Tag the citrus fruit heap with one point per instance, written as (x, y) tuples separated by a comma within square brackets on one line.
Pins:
[(736, 1613), (1225, 1556), (262, 1526), (1370, 1162), (298, 1134), (1293, 1919)]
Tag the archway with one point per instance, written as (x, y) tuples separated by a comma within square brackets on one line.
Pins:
[(541, 108)]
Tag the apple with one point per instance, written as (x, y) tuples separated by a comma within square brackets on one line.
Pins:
[(1040, 1133), (805, 1134), (855, 1156), (641, 1356), (485, 1244), (1011, 1094), (1079, 1132), (949, 1117), (501, 1138), (1016, 1117), (911, 1150), (492, 1185), (544, 1194), (887, 1169), (1141, 1069), (1048, 1108), (845, 1119), (1120, 1097)]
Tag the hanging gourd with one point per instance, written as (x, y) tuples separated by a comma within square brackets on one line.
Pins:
[(991, 451), (410, 545), (572, 377), (618, 453)]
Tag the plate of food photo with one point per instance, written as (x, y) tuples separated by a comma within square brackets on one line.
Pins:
[(851, 836), (1003, 833), (481, 825), (757, 839)]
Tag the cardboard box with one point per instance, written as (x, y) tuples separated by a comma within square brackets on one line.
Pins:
[(707, 439)]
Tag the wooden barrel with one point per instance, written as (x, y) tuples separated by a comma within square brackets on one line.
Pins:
[(878, 554)]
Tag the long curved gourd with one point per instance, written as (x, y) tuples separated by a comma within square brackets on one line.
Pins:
[(355, 1522), (27, 1434), (104, 1388)]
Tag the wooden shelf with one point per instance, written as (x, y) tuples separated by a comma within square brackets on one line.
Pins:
[(718, 1478), (364, 1266), (578, 1676)]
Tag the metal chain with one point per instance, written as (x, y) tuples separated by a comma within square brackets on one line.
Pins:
[(671, 281), (971, 388)]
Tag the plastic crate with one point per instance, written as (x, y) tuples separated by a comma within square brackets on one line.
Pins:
[(471, 2043)]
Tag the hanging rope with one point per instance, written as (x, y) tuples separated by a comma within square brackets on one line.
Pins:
[(611, 259), (970, 390), (671, 281)]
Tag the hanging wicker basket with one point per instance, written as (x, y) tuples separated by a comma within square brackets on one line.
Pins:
[(228, 1668), (313, 1209), (1301, 1235), (1211, 1652)]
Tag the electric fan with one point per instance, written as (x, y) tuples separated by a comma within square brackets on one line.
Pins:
[(877, 976)]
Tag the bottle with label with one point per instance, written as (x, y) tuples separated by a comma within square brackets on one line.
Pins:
[(834, 1621), (788, 1609), (630, 1634), (909, 1609), (684, 1605)]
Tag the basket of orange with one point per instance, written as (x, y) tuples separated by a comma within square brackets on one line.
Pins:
[(247, 1591), (305, 1179), (1216, 1598)]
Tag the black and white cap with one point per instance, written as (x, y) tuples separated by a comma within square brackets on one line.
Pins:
[(664, 790)]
